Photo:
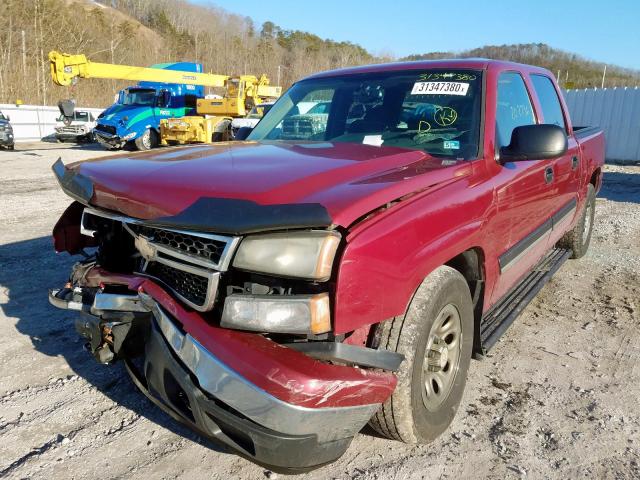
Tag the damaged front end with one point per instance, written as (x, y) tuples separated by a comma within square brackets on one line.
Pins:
[(240, 352)]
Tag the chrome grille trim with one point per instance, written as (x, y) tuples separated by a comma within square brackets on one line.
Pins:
[(222, 265), (154, 252)]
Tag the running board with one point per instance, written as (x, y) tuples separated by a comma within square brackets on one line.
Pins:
[(499, 318)]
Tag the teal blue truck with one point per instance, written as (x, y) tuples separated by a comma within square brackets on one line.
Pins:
[(134, 119)]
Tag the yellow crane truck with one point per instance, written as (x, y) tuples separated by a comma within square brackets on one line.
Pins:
[(213, 122)]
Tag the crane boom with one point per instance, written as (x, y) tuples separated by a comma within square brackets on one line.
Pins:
[(65, 68)]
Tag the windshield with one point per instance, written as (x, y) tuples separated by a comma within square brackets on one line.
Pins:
[(139, 97), (437, 111), (2, 117), (259, 111)]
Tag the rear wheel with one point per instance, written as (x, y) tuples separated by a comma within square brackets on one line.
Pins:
[(436, 338), (147, 141), (579, 238)]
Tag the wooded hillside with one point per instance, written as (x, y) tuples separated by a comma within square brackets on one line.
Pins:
[(143, 32), (573, 71)]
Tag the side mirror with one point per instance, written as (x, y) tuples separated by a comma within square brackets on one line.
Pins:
[(120, 97), (8, 118), (535, 142), (243, 133)]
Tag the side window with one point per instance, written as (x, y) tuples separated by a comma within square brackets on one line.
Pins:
[(514, 107), (551, 109)]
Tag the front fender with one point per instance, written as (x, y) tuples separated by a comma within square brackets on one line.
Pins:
[(385, 261), (66, 233)]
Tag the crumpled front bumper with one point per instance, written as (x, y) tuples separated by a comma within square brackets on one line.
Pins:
[(108, 140), (272, 404)]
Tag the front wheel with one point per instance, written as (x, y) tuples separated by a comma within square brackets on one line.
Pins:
[(579, 238), (436, 337), (147, 141)]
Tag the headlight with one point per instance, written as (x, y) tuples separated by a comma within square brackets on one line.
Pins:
[(296, 314), (308, 255)]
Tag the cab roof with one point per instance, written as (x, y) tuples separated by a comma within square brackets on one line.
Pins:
[(458, 63)]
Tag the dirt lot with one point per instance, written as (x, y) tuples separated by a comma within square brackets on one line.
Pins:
[(557, 398)]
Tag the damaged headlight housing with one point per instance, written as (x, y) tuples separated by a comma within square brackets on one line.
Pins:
[(296, 314), (305, 255)]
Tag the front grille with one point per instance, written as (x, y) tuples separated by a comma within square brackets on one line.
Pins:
[(74, 130), (188, 263), (303, 127), (106, 128), (190, 286), (205, 247)]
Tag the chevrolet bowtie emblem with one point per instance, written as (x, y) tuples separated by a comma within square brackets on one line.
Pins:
[(146, 249)]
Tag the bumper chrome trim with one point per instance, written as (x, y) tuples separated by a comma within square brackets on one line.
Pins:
[(111, 301), (218, 380)]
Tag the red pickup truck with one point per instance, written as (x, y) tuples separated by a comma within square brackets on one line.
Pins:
[(331, 270)]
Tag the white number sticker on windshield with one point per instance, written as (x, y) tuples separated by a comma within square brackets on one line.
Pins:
[(439, 88)]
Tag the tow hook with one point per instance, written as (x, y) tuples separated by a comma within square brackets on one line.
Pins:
[(115, 325)]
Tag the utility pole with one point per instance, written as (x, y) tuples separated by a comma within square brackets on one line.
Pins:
[(604, 73)]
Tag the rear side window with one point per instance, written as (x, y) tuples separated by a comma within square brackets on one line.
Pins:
[(548, 97), (514, 107)]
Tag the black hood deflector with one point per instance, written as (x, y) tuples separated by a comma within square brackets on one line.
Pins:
[(216, 215)]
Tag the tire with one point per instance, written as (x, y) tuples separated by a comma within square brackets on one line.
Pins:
[(147, 141), (579, 238), (413, 413), (223, 132)]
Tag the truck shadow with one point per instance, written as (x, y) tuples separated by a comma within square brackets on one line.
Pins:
[(21, 147), (621, 187), (27, 270)]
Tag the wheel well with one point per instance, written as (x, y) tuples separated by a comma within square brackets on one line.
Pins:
[(595, 178), (470, 264)]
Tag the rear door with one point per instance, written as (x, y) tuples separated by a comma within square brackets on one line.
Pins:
[(524, 189), (566, 169)]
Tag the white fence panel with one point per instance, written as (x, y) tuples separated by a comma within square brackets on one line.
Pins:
[(616, 111), (34, 122)]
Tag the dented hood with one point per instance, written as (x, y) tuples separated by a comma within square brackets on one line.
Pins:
[(242, 187)]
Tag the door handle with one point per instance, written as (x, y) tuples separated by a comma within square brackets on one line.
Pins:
[(574, 163), (548, 174)]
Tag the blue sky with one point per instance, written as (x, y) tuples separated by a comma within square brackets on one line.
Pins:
[(604, 31)]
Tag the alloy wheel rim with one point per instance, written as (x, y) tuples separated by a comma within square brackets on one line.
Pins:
[(442, 357), (146, 139)]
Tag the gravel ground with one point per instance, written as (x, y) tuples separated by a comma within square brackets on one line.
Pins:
[(557, 398)]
